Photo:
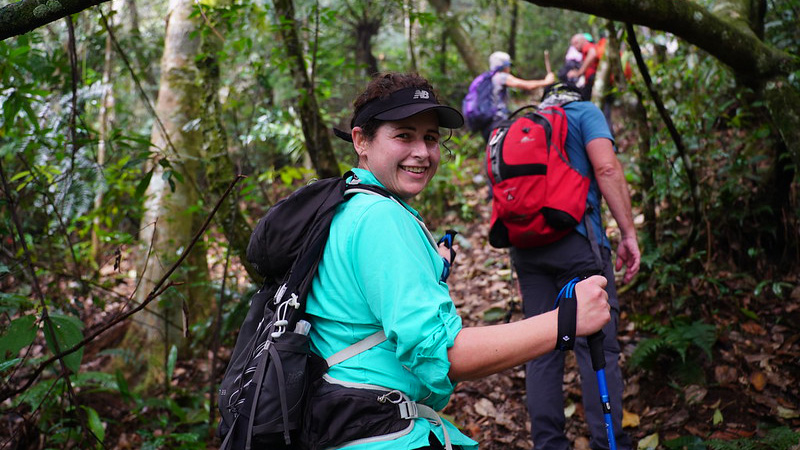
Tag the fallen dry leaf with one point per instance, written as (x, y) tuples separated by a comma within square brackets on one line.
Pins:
[(753, 328), (725, 375), (694, 394), (485, 407), (730, 434), (758, 380), (629, 419), (787, 413), (649, 442)]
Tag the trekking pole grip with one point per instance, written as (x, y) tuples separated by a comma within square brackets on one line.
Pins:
[(596, 350)]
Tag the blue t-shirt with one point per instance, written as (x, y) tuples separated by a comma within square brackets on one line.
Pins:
[(381, 271), (586, 123)]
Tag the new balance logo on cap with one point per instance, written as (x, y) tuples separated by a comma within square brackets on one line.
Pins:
[(422, 94)]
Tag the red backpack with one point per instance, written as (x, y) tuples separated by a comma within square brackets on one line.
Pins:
[(537, 196)]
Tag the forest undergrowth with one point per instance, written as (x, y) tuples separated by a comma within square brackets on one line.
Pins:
[(737, 389)]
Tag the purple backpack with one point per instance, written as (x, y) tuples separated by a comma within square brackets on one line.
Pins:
[(478, 107)]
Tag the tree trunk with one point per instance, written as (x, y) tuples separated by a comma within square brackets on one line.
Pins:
[(105, 120), (459, 36), (168, 224), (408, 9), (512, 32), (315, 131), (366, 29), (633, 107)]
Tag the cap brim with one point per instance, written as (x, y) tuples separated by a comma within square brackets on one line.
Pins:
[(448, 117)]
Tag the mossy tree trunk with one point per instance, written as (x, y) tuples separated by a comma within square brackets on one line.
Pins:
[(317, 135), (171, 218)]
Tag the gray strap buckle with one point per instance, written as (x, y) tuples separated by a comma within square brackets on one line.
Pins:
[(407, 407)]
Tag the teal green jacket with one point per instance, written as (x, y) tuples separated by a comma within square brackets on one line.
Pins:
[(380, 270)]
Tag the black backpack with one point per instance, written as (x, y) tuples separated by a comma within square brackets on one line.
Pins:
[(263, 392)]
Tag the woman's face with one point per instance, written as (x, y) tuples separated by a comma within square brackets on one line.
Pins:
[(404, 154)]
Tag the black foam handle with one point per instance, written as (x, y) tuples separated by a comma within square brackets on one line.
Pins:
[(596, 350)]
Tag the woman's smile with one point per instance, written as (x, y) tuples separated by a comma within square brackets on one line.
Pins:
[(404, 154)]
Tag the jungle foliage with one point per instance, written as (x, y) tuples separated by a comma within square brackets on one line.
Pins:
[(718, 209)]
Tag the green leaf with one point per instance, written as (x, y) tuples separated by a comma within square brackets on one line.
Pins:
[(749, 313), (66, 332), (9, 364), (122, 385), (95, 424), (19, 335), (494, 314), (22, 174), (717, 417), (142, 186), (171, 360), (13, 302)]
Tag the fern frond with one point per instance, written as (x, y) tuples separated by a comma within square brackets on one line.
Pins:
[(646, 351)]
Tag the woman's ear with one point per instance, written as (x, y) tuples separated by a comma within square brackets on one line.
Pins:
[(359, 141)]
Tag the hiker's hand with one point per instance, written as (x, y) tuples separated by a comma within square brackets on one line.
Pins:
[(628, 255), (446, 245), (593, 308), (444, 252), (550, 78), (447, 252)]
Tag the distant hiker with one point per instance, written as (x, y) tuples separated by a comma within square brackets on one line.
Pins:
[(588, 67), (381, 275), (542, 270), (501, 62)]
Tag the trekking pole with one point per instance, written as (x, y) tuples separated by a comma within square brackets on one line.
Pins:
[(598, 362), (599, 366), (547, 61)]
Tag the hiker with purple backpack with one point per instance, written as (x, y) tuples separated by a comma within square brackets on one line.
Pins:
[(486, 102)]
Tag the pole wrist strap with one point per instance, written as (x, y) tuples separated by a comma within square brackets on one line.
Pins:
[(567, 316)]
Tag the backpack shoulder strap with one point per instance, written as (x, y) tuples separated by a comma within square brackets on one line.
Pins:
[(359, 347), (510, 116)]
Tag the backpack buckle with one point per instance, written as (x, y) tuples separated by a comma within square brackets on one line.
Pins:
[(387, 397), (408, 409)]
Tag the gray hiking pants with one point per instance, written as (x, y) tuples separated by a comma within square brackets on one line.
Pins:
[(541, 272)]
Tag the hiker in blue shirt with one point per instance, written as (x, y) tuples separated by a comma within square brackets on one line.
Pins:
[(381, 272), (543, 270), (501, 81)]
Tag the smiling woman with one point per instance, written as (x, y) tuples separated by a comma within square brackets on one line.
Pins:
[(404, 155), (380, 310)]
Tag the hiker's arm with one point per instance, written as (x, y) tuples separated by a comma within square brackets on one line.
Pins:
[(482, 351), (519, 83), (611, 179)]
